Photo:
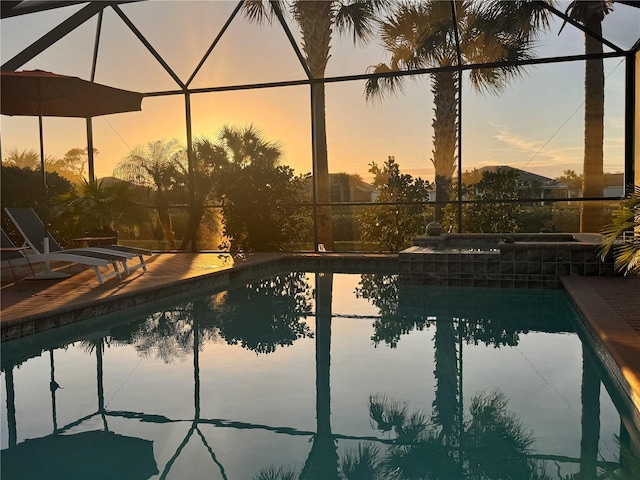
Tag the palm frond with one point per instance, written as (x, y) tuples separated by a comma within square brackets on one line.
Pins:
[(622, 236), (258, 11), (359, 18), (377, 87), (361, 464), (276, 473)]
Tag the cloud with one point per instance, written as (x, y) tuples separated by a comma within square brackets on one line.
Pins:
[(528, 152)]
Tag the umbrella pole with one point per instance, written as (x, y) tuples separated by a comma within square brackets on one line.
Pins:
[(92, 174), (46, 273), (45, 196)]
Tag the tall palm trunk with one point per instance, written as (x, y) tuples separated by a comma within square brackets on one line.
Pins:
[(197, 213), (445, 405), (445, 122), (321, 170), (591, 214), (315, 19), (164, 217), (590, 423), (322, 462)]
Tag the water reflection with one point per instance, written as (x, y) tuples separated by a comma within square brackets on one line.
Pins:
[(260, 316), (264, 315), (481, 438), (478, 319), (493, 442)]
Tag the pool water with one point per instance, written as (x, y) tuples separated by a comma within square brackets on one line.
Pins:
[(314, 376)]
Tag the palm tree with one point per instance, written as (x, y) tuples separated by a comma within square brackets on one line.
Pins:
[(422, 35), (322, 462), (23, 159), (209, 157), (620, 237), (317, 20), (239, 147), (245, 146), (591, 14), (494, 441), (257, 193), (154, 167), (101, 206)]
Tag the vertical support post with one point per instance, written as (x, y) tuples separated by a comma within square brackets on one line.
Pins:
[(11, 406), (196, 370), (459, 151), (100, 382), (53, 386), (314, 173), (191, 161), (454, 18), (90, 159), (630, 125), (45, 192), (92, 173)]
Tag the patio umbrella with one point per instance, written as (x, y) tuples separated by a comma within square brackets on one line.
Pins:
[(46, 94)]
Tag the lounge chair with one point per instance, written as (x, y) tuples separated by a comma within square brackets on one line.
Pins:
[(129, 252), (13, 256), (31, 228)]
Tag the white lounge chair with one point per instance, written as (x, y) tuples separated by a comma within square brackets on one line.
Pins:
[(31, 228)]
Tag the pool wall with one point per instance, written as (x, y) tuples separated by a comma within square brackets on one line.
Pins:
[(502, 260)]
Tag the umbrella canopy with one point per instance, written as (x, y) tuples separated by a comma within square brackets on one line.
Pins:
[(36, 92)]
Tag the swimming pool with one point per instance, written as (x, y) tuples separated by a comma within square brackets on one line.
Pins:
[(314, 375)]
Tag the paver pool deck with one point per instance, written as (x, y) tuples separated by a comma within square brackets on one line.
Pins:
[(610, 306)]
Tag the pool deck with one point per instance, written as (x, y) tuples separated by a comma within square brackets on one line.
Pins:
[(609, 305)]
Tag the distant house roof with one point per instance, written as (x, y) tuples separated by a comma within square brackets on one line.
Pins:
[(523, 175), (613, 179)]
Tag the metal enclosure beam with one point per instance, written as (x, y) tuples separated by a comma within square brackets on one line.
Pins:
[(54, 35)]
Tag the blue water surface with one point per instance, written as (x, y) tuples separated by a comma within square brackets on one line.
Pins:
[(314, 376)]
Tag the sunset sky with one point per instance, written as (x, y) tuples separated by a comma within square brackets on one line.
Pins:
[(536, 124)]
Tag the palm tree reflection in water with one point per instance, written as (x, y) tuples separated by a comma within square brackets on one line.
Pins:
[(259, 316), (489, 442)]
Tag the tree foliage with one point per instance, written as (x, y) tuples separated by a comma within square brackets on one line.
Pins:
[(72, 165), (22, 187), (22, 159), (102, 206), (572, 180), (393, 226), (155, 166), (419, 35), (622, 236), (317, 22), (258, 207), (258, 196), (493, 443), (266, 314), (497, 209), (209, 158)]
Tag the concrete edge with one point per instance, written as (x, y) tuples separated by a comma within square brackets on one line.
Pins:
[(219, 279), (614, 341)]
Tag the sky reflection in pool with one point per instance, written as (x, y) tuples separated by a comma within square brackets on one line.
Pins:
[(312, 374)]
